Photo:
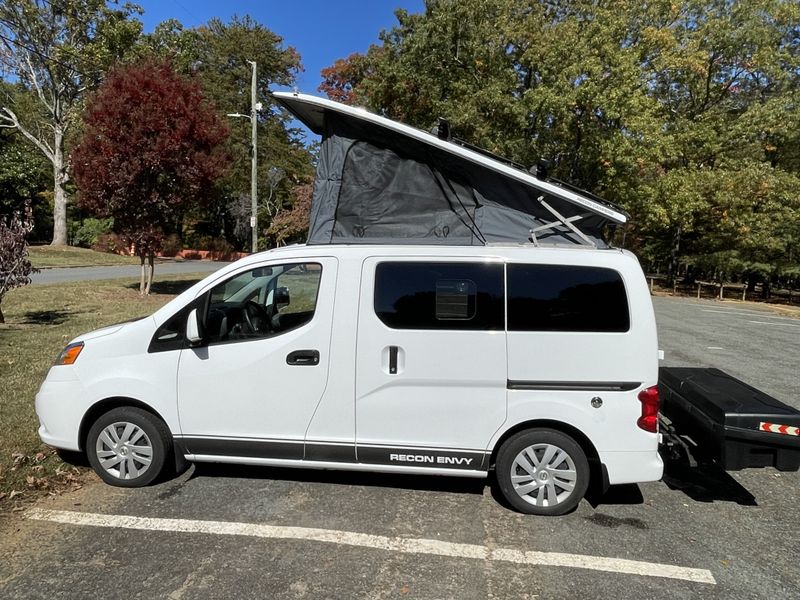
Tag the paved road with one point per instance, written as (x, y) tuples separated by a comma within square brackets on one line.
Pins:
[(746, 340), (120, 271), (225, 532)]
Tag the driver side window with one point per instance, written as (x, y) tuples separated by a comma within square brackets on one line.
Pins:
[(262, 302)]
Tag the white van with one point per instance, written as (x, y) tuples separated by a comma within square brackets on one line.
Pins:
[(539, 364)]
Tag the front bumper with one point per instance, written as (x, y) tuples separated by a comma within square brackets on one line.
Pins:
[(58, 407)]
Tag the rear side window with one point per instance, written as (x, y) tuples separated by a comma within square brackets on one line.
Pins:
[(463, 296), (566, 298)]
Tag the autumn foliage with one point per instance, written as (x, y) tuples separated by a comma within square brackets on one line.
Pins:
[(15, 266), (339, 81), (151, 147), (291, 225)]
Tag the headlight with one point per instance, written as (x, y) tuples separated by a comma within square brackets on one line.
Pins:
[(69, 354)]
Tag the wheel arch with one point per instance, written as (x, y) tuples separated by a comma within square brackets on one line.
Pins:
[(103, 406), (598, 475)]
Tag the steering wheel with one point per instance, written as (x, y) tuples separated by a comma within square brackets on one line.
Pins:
[(256, 317)]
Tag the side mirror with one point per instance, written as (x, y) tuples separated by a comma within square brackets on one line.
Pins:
[(193, 328), (281, 297)]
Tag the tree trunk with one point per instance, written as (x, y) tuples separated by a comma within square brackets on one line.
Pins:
[(59, 191), (150, 269), (2, 318), (141, 279), (672, 270)]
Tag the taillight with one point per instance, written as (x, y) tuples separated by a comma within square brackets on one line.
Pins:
[(649, 419)]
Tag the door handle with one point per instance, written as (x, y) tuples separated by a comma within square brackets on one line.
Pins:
[(392, 360), (303, 358)]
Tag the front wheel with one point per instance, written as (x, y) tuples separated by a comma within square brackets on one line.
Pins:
[(128, 447), (542, 472)]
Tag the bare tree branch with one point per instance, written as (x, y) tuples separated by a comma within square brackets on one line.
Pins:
[(35, 81), (40, 144)]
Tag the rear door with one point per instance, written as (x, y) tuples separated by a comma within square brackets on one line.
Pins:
[(431, 364)]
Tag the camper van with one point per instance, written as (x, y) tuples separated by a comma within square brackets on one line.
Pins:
[(452, 313), (537, 366)]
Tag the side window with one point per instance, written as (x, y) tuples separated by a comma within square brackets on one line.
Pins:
[(415, 295), (566, 298), (262, 302)]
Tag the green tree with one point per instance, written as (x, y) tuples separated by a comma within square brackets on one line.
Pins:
[(686, 113), (24, 181), (59, 49)]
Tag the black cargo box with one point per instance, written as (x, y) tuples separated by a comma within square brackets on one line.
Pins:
[(736, 424)]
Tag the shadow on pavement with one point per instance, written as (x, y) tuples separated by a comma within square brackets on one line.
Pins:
[(704, 482), (625, 494), (430, 483)]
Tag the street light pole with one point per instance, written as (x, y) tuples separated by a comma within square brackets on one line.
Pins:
[(253, 116), (254, 160)]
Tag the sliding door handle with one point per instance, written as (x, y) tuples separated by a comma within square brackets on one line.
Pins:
[(303, 358)]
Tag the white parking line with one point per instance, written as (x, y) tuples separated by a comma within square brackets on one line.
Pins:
[(378, 542)]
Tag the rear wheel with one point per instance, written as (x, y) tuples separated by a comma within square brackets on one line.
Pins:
[(128, 447), (542, 472)]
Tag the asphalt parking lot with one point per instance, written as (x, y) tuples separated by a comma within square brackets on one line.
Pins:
[(230, 532)]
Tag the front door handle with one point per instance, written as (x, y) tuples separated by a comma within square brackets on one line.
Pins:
[(308, 358)]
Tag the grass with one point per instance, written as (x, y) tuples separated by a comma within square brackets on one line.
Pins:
[(40, 320), (70, 256)]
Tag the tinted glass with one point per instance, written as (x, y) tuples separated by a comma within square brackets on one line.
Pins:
[(440, 295), (262, 302), (566, 298)]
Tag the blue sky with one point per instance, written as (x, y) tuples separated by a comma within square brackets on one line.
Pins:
[(321, 31)]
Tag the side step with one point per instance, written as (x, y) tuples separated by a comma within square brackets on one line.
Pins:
[(735, 424)]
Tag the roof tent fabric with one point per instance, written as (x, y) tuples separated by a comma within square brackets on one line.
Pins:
[(377, 185)]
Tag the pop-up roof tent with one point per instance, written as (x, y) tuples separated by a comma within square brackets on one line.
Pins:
[(379, 181)]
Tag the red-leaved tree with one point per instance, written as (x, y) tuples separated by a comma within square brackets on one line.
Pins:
[(150, 148), (15, 267), (341, 78)]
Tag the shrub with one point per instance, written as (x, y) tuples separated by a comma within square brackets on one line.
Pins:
[(87, 234), (219, 249), (171, 245), (15, 267), (110, 242)]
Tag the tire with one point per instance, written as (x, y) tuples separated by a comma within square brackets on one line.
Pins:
[(128, 447), (542, 489)]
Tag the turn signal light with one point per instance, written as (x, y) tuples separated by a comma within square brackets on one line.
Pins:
[(650, 403), (69, 354)]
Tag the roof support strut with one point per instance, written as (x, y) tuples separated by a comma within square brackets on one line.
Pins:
[(561, 221)]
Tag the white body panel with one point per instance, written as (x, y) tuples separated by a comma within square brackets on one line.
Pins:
[(450, 387), (453, 390), (246, 389)]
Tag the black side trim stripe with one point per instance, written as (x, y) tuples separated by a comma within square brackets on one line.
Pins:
[(243, 447), (435, 459), (580, 386), (342, 453)]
